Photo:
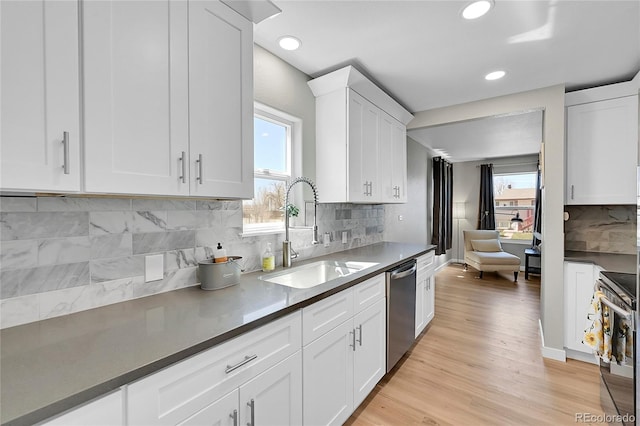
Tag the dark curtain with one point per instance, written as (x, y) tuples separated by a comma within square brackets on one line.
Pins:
[(486, 210), (537, 215), (442, 234)]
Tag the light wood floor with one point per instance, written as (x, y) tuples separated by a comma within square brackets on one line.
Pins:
[(479, 363)]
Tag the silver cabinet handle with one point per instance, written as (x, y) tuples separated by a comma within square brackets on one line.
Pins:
[(370, 189), (572, 191), (234, 416), (247, 359), (183, 162), (199, 161), (252, 417), (360, 330), (366, 188), (353, 339), (65, 147)]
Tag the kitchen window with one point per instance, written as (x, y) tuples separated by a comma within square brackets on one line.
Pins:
[(515, 196), (274, 135)]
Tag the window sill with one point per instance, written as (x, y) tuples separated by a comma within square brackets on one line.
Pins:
[(261, 232)]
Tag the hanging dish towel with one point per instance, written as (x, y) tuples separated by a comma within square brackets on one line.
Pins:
[(598, 332), (623, 339)]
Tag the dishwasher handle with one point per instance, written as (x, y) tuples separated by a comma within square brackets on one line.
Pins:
[(401, 273)]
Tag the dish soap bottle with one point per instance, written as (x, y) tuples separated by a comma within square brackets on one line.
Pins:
[(268, 259), (219, 254)]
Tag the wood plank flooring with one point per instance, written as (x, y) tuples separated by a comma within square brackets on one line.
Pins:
[(479, 363)]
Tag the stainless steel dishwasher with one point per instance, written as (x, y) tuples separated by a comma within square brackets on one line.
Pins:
[(401, 311)]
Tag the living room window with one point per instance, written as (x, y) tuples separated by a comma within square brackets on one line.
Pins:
[(274, 134), (515, 195)]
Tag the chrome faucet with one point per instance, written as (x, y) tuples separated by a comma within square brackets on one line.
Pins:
[(287, 251)]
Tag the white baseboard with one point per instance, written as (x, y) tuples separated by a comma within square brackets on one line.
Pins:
[(582, 356), (447, 263), (551, 353)]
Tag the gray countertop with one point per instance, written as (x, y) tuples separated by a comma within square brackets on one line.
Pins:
[(50, 366), (608, 261)]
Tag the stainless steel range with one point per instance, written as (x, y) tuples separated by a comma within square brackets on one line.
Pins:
[(618, 384)]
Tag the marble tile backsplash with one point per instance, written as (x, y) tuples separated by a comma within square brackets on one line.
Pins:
[(604, 229), (60, 255)]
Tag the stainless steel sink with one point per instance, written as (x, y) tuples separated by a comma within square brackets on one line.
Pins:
[(316, 273)]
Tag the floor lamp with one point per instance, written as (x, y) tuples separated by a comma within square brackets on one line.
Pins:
[(459, 212)]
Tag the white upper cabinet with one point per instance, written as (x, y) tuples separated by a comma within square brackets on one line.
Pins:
[(361, 153), (40, 141), (135, 60), (220, 100), (602, 146), (364, 119), (393, 166)]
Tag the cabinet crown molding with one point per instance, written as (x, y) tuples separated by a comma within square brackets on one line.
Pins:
[(349, 77)]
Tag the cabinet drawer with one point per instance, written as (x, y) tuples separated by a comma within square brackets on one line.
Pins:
[(326, 314), (177, 392), (368, 292), (426, 260)]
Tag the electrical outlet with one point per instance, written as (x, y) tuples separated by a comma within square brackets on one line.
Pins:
[(344, 237), (400, 218), (326, 238), (153, 267)]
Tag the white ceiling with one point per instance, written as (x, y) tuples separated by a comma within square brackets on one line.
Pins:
[(426, 56), (491, 137)]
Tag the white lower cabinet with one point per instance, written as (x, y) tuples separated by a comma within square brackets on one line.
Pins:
[(370, 355), (272, 398), (245, 363), (341, 367), (105, 411), (425, 292), (328, 377), (579, 280)]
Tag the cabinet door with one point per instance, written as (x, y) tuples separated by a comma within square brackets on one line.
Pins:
[(40, 96), (220, 100), (328, 377), (105, 411), (275, 396), (420, 300), (429, 298), (136, 96), (223, 412), (370, 360), (393, 159), (602, 150), (398, 161), (578, 290), (363, 150)]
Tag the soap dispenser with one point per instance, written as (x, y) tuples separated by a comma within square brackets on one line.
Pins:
[(219, 254), (268, 259)]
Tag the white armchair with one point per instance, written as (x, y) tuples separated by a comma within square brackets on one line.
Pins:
[(483, 251)]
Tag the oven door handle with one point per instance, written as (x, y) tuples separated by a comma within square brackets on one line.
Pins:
[(617, 309)]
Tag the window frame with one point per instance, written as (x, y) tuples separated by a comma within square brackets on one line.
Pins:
[(293, 127), (513, 206)]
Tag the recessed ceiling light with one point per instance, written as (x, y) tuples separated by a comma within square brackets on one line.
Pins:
[(289, 42), (477, 9), (495, 75)]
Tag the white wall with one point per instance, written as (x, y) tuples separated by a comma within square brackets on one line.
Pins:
[(551, 100)]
